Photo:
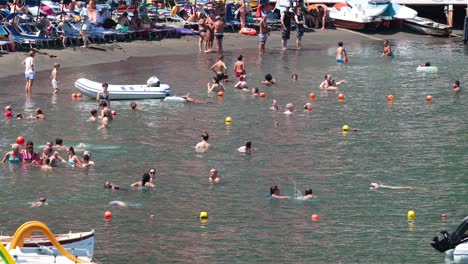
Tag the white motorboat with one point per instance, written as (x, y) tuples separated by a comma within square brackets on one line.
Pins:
[(152, 90), (455, 244), (426, 26), (371, 8), (396, 11)]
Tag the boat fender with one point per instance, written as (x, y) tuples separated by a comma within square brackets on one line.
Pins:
[(153, 82)]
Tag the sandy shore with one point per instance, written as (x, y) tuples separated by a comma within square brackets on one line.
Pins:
[(10, 63)]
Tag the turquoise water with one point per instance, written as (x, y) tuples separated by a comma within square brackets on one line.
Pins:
[(409, 143)]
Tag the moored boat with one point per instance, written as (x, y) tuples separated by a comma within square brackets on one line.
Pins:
[(152, 90), (455, 244), (426, 26), (352, 18), (369, 8)]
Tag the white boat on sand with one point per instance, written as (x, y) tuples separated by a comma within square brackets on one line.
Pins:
[(152, 90)]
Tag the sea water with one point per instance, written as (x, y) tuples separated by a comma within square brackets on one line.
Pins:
[(409, 143)]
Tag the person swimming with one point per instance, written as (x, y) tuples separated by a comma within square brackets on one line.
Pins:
[(111, 185), (13, 156), (275, 193), (146, 181), (274, 105), (268, 80), (294, 77), (42, 202), (308, 194), (247, 148)]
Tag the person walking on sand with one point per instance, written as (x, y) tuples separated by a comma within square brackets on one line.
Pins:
[(53, 77), (300, 28), (219, 34), (286, 18), (341, 56), (263, 35), (85, 26), (29, 71)]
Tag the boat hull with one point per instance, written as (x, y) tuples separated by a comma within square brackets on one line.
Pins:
[(123, 92), (347, 17), (83, 241), (426, 30), (426, 26)]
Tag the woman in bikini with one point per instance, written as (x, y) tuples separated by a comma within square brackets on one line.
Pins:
[(14, 155), (73, 160), (202, 32), (28, 154)]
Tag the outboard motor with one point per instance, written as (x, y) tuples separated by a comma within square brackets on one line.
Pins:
[(153, 82), (449, 241)]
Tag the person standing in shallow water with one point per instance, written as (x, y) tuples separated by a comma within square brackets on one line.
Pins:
[(300, 28), (203, 146), (29, 71), (286, 18), (387, 51), (263, 34)]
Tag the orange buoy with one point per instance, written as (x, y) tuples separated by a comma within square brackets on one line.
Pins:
[(429, 98), (262, 95), (312, 96), (390, 97), (108, 216), (113, 112), (220, 93), (314, 217), (341, 97), (20, 140)]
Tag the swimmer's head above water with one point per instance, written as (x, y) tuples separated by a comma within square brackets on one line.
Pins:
[(133, 105), (308, 191), (374, 185), (274, 190)]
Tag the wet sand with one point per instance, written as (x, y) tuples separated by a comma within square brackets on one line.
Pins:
[(10, 63)]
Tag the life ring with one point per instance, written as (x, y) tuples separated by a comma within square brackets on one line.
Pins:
[(249, 31)]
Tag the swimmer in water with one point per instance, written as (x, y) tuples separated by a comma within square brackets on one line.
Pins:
[(146, 181), (59, 144), (289, 109), (42, 202), (188, 99), (268, 80), (13, 156), (274, 105), (39, 114), (104, 123), (87, 162), (216, 86), (203, 146), (387, 51), (247, 148), (94, 115), (308, 194), (375, 185), (275, 193), (255, 91), (214, 176), (8, 112), (294, 77), (242, 84), (334, 85), (456, 86), (308, 107), (111, 185), (73, 160), (427, 64), (341, 56), (118, 203)]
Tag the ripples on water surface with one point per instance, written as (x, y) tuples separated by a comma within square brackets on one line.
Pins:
[(410, 143)]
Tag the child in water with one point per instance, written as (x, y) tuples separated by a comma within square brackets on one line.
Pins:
[(275, 193), (268, 80), (456, 86)]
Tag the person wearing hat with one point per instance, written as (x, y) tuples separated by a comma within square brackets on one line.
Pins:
[(85, 26)]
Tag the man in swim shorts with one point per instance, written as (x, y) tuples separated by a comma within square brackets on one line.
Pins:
[(29, 71), (53, 77), (263, 34), (219, 34), (286, 26), (239, 67), (340, 53), (220, 68)]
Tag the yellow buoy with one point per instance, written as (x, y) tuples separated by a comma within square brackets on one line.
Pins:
[(203, 215), (228, 119), (345, 128), (411, 214)]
